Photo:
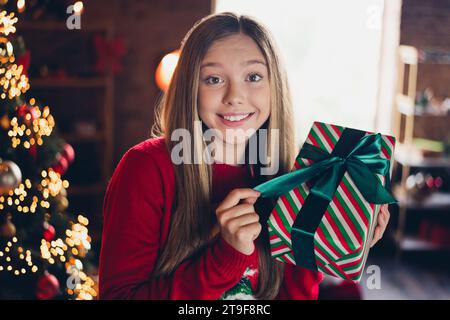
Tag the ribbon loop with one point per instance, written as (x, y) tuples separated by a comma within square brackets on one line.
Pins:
[(362, 164)]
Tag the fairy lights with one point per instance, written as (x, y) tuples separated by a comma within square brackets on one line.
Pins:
[(21, 258), (51, 185), (42, 125), (13, 82), (27, 126), (7, 22)]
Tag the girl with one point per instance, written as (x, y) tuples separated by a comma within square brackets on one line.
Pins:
[(192, 230)]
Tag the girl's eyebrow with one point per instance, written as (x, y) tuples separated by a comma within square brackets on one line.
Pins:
[(245, 63)]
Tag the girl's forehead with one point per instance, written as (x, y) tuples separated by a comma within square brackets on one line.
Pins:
[(235, 46)]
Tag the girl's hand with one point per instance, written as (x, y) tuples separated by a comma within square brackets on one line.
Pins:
[(239, 223), (383, 219)]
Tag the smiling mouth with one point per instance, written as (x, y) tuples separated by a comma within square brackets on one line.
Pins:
[(236, 117)]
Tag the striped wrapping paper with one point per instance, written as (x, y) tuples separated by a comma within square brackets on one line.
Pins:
[(342, 240)]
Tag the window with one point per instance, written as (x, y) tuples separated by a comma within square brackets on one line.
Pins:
[(331, 51)]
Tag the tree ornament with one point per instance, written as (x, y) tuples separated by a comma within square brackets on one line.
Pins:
[(10, 176), (61, 165), (68, 153), (49, 231), (7, 228), (47, 286)]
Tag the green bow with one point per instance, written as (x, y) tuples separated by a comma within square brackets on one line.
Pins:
[(362, 163)]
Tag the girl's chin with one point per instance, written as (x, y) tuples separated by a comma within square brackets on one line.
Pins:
[(233, 139)]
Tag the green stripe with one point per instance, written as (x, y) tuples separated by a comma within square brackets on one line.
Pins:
[(354, 268), (386, 146), (329, 134), (325, 252), (358, 199), (318, 140), (341, 228), (290, 254), (291, 202), (329, 265), (283, 217), (347, 210), (279, 234), (302, 192), (330, 239)]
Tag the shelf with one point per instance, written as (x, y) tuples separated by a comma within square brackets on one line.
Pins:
[(96, 82), (415, 244), (412, 157), (405, 104), (407, 107), (94, 189), (436, 201)]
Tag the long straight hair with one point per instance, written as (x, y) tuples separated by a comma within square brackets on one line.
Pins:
[(192, 222)]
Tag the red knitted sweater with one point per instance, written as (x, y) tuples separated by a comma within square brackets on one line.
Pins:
[(136, 211)]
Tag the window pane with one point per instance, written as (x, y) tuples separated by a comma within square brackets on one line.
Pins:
[(331, 52)]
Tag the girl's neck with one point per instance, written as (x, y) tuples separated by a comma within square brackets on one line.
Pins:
[(231, 154)]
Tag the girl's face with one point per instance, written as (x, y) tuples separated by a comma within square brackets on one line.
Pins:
[(234, 90)]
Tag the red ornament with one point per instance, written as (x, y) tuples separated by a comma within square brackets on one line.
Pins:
[(47, 286), (34, 112), (22, 110), (24, 60), (33, 151), (61, 165), (68, 153), (49, 232)]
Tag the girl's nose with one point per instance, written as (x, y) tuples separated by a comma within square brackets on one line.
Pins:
[(234, 95)]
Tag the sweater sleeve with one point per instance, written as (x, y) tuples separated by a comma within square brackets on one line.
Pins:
[(133, 208), (299, 283)]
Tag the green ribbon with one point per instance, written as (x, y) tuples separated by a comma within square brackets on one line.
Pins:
[(362, 163)]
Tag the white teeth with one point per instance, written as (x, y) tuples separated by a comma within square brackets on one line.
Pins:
[(236, 118)]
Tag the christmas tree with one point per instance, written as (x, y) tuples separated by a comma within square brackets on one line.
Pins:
[(44, 251)]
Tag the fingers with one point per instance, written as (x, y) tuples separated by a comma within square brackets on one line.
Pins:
[(242, 220), (224, 216), (376, 236), (233, 198), (250, 200), (382, 222), (252, 229)]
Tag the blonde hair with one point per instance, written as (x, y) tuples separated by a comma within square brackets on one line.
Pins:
[(191, 229)]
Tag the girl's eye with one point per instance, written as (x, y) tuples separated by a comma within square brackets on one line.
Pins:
[(254, 77), (213, 80)]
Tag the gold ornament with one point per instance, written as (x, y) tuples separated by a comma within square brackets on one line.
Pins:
[(62, 204), (7, 229)]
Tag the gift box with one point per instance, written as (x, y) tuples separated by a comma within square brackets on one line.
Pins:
[(327, 206)]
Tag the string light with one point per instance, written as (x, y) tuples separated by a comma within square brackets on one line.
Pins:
[(22, 198), (7, 22), (42, 125), (22, 258), (78, 7), (20, 6), (27, 129), (13, 82)]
